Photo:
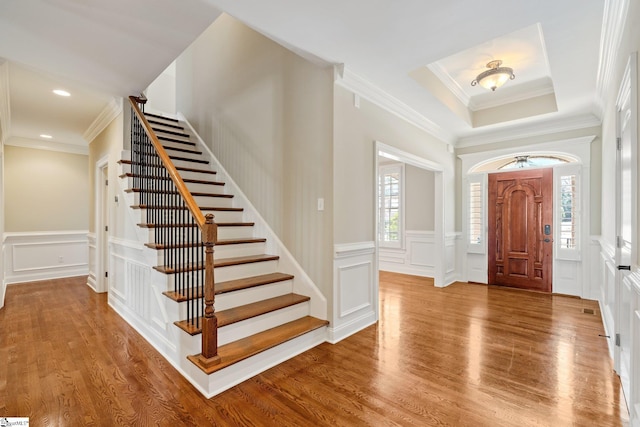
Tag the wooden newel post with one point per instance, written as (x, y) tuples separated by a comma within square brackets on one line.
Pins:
[(209, 354)]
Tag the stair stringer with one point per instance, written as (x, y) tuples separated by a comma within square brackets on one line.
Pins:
[(302, 283)]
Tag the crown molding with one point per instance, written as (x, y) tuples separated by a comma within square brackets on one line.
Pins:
[(533, 129), (355, 83), (106, 116), (453, 86), (613, 25), (47, 145), (5, 110)]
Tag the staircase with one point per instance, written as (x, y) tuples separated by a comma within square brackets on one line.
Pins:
[(255, 304)]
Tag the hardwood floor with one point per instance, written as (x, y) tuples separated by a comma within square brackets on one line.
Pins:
[(465, 355)]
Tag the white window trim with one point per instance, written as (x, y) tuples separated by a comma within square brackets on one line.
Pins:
[(480, 247), (400, 243), (571, 254)]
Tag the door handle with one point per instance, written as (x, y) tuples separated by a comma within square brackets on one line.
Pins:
[(624, 267), (547, 240)]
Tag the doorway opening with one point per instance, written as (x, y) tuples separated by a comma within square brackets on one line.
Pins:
[(399, 249), (102, 224), (520, 210)]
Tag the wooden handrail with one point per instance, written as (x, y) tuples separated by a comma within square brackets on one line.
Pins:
[(168, 164), (209, 233)]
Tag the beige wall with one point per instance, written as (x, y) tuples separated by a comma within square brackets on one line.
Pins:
[(266, 114), (45, 190), (419, 199), (355, 130)]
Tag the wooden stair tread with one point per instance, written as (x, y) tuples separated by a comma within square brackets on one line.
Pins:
[(158, 116), (195, 193), (250, 346), (202, 208), (167, 138), (160, 246), (232, 285), (220, 224), (182, 150), (224, 242), (219, 262), (170, 132), (255, 309), (244, 312), (166, 178), (187, 159), (173, 125), (180, 168)]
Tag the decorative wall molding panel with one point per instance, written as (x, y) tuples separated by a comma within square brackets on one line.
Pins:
[(355, 298), (45, 255), (91, 279), (417, 257)]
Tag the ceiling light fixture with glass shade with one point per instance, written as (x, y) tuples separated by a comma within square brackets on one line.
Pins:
[(495, 76)]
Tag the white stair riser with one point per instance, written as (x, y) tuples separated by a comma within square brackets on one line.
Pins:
[(127, 168), (188, 164), (257, 293), (238, 298), (235, 232), (205, 201), (219, 216), (194, 187), (175, 144), (222, 274), (184, 234), (162, 134), (226, 378), (229, 251), (194, 156), (261, 323), (170, 126)]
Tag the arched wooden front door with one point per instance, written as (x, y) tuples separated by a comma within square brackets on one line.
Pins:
[(521, 229)]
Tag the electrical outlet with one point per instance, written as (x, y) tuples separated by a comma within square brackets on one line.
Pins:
[(320, 204)]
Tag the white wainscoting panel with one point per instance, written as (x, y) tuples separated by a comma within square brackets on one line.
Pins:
[(135, 292), (417, 258), (45, 255), (91, 279), (452, 241), (567, 277), (477, 268), (632, 361), (355, 290), (608, 293)]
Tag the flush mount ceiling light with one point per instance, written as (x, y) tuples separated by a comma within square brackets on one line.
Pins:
[(45, 136), (495, 76), (522, 162), (61, 92)]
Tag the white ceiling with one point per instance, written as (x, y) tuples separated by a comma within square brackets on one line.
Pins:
[(118, 47)]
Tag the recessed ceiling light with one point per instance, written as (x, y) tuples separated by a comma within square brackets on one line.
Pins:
[(45, 136), (61, 92)]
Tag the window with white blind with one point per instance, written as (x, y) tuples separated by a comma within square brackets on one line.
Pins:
[(568, 211), (475, 214), (390, 192)]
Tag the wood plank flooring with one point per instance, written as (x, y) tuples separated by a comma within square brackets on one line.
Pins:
[(465, 355)]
